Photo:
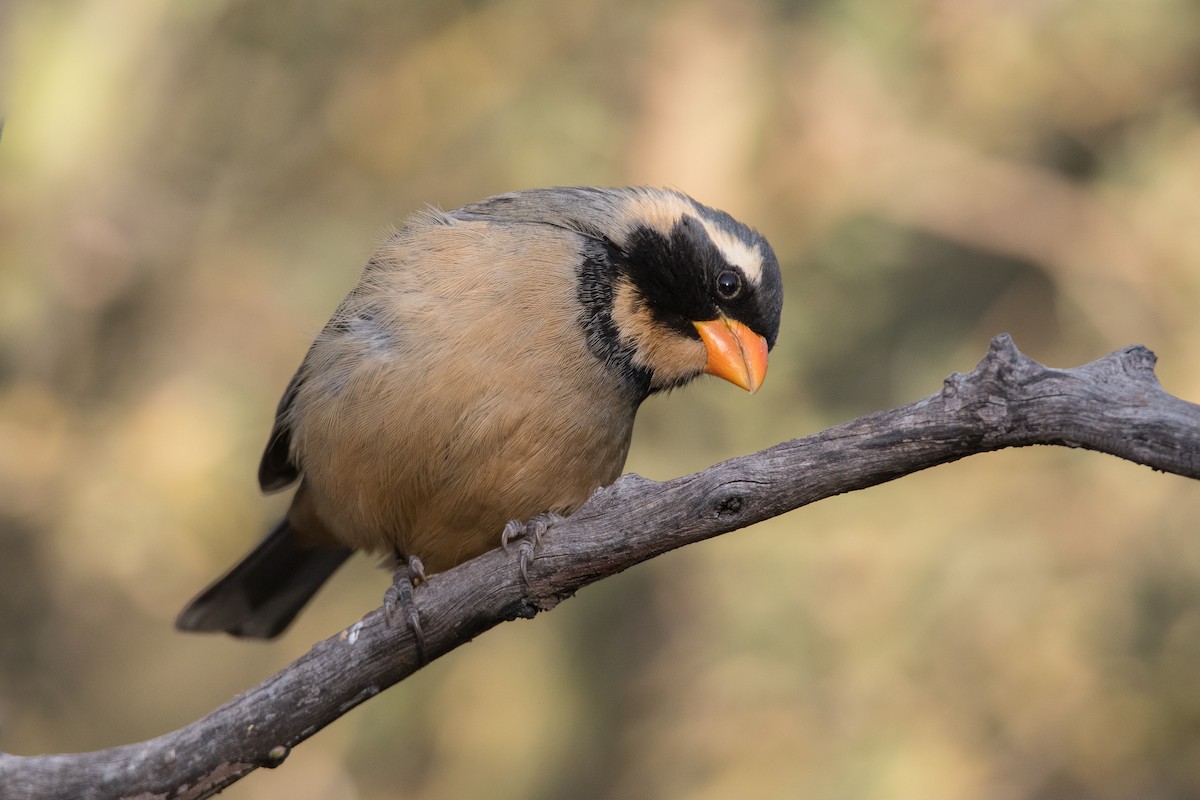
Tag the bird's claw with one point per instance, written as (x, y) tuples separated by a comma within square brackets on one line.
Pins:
[(530, 533), (416, 570), (399, 603), (515, 529)]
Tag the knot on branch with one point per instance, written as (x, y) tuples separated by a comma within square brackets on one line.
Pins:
[(1131, 367), (998, 380), (1004, 366), (728, 501), (1139, 360), (276, 756)]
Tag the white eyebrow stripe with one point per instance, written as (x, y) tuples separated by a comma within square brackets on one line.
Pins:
[(746, 257), (663, 210)]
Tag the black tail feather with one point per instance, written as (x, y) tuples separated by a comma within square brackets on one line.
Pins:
[(264, 591)]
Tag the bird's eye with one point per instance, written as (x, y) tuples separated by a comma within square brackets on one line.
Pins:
[(729, 284)]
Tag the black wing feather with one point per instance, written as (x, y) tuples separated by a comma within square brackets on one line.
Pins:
[(277, 470)]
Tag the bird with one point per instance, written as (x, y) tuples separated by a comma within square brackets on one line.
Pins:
[(487, 367)]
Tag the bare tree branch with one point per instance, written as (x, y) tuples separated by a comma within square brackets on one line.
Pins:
[(1114, 405)]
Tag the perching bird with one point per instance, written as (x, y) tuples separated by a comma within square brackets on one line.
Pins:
[(486, 368)]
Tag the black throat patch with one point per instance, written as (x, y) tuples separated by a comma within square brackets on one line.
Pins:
[(597, 275)]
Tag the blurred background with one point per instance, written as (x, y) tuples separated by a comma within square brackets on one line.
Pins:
[(188, 189)]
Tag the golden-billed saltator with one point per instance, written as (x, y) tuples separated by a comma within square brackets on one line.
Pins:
[(486, 368)]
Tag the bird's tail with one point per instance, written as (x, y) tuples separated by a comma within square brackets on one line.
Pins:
[(264, 591)]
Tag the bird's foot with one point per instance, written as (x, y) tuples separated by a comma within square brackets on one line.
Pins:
[(530, 533), (399, 603)]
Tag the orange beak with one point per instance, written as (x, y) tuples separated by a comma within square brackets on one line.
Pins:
[(735, 353)]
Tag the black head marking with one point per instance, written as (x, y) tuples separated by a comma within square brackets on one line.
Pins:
[(686, 278), (595, 290), (678, 276)]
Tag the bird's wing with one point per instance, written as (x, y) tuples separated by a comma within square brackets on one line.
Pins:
[(277, 470)]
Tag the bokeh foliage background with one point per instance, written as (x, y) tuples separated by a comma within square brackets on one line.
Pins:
[(188, 188)]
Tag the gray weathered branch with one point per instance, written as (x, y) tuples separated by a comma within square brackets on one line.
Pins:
[(1114, 405)]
